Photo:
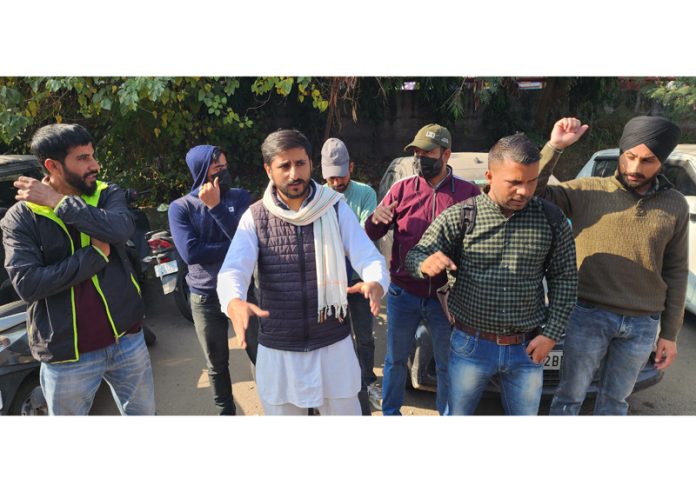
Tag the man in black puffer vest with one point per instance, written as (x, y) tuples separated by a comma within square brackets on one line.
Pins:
[(297, 238)]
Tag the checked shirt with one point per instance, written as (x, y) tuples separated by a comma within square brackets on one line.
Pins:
[(499, 281)]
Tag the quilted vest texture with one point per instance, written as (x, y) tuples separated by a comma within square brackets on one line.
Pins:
[(287, 279)]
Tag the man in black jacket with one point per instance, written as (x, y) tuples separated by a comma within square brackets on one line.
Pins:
[(65, 255)]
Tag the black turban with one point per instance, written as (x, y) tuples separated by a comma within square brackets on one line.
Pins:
[(658, 134)]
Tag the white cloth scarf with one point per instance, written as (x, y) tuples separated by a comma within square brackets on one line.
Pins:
[(332, 281)]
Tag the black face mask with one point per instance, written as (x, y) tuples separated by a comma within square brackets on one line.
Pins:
[(224, 180), (429, 167)]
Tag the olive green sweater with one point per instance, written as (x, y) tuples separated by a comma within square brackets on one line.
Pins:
[(632, 250)]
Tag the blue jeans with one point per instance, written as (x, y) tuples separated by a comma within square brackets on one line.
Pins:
[(361, 322), (404, 313), (595, 336), (472, 364), (69, 387)]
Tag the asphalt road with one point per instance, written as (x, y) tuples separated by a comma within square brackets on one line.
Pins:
[(676, 393), (182, 388)]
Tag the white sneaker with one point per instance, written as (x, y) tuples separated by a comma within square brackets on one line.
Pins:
[(374, 394)]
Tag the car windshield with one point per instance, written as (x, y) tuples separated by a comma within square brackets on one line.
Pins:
[(682, 176), (604, 167)]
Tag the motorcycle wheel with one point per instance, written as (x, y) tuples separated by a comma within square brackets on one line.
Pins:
[(29, 400), (181, 295)]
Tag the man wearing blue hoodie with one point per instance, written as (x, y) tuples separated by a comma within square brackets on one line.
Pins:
[(202, 225)]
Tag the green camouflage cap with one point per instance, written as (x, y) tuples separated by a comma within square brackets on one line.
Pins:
[(431, 136)]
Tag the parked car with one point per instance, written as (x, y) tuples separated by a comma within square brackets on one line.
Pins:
[(20, 391), (12, 167), (19, 372), (680, 170), (421, 363)]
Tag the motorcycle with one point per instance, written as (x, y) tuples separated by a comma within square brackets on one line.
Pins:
[(137, 249), (170, 268)]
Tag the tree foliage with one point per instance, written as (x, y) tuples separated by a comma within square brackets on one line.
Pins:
[(143, 126), (678, 95)]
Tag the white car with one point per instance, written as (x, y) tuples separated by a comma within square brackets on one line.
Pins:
[(680, 170)]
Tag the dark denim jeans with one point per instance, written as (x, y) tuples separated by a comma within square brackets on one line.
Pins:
[(404, 313), (361, 322), (593, 336), (212, 328)]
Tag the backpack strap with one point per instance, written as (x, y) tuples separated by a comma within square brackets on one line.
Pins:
[(467, 220), (468, 217), (555, 217)]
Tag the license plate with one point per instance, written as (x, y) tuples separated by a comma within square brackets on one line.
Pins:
[(168, 283), (162, 269), (553, 360)]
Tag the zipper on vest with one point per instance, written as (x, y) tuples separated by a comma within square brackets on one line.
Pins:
[(303, 276)]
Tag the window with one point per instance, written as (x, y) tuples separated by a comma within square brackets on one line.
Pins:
[(604, 167)]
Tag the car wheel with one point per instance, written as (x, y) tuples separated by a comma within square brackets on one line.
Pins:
[(29, 399), (412, 374), (421, 362)]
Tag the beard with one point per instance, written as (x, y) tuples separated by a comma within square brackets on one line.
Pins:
[(80, 182), (641, 180), (285, 190)]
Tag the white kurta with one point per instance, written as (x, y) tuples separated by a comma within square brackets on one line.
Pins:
[(304, 379)]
